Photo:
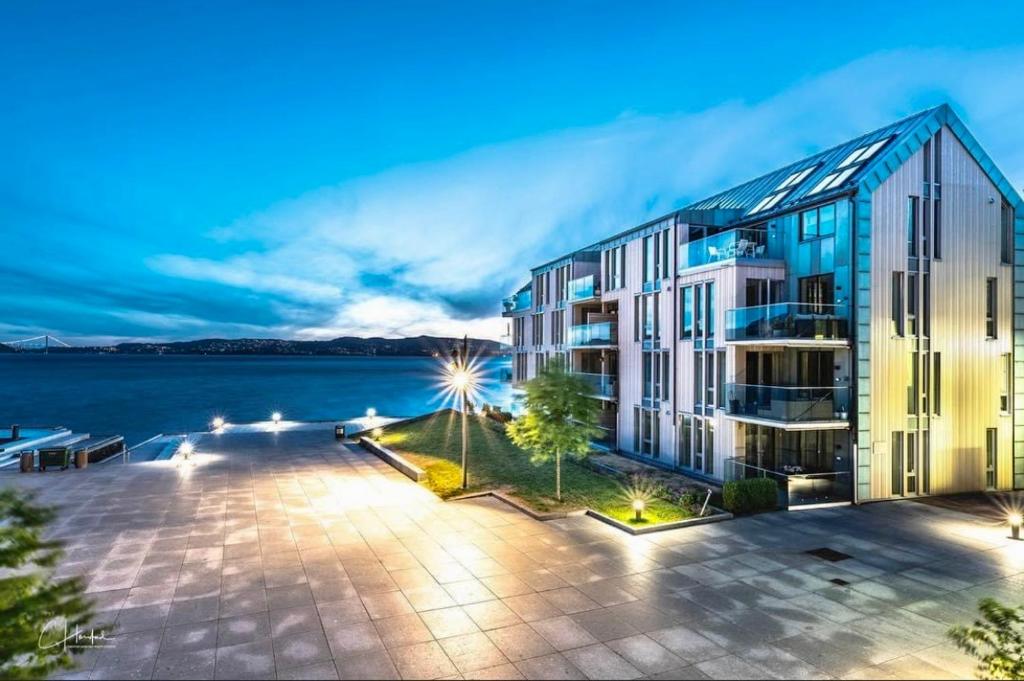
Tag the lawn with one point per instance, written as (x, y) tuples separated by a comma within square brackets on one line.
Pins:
[(435, 445)]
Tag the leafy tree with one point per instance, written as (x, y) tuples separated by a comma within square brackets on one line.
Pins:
[(560, 419), (34, 608), (996, 640)]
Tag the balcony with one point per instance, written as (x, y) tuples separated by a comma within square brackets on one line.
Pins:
[(600, 335), (736, 244), (603, 386), (791, 408), (794, 324), (583, 288), (514, 304)]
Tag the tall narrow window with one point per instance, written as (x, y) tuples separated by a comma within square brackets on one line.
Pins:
[(925, 382), (666, 378), (709, 379), (912, 386), (897, 304), (927, 158), (709, 447), (637, 311), (698, 378), (897, 462), (912, 216), (926, 304), (938, 157), (926, 227), (926, 462), (709, 288), (937, 383), (686, 313), (720, 383), (911, 467), (685, 441), (991, 457), (698, 311), (937, 230), (638, 426), (1006, 227), (990, 308), (665, 272), (912, 303), (1004, 393), (698, 444)]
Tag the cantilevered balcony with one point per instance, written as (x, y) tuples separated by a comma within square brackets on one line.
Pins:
[(514, 304), (603, 386), (792, 324), (724, 247), (583, 288), (791, 408), (599, 335)]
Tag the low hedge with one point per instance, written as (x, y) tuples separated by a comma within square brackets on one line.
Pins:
[(444, 478), (750, 495)]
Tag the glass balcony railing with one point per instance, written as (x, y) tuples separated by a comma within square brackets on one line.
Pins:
[(736, 243), (520, 302), (786, 321), (788, 404), (587, 335), (601, 385), (583, 288), (799, 489)]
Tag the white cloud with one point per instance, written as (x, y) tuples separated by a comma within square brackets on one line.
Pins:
[(471, 225)]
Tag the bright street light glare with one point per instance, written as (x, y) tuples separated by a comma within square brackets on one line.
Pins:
[(218, 422), (276, 417)]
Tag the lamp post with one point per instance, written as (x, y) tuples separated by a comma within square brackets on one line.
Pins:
[(1015, 522), (461, 381)]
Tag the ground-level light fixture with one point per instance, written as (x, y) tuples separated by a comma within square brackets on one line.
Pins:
[(186, 449), (1015, 520), (638, 509), (376, 433), (218, 422), (276, 417), (371, 413)]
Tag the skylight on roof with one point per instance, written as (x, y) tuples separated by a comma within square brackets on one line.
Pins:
[(796, 178), (853, 162)]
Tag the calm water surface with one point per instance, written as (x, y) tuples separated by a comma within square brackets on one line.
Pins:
[(141, 396)]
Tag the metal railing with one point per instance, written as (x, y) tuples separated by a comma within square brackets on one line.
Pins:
[(783, 321), (797, 489), (787, 403)]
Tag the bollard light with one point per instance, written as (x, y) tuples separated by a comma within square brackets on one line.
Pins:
[(185, 449), (377, 432), (218, 422), (276, 417), (638, 509), (1015, 520), (371, 413)]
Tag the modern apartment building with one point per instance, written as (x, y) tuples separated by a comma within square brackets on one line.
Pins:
[(845, 324)]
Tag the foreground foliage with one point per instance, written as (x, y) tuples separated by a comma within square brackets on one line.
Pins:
[(996, 640), (750, 495), (35, 609)]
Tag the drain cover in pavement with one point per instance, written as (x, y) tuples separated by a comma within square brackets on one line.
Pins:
[(839, 581), (830, 555)]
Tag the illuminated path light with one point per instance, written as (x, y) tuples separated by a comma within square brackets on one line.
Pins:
[(218, 422), (276, 417)]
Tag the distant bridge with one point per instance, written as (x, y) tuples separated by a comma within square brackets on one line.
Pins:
[(36, 343)]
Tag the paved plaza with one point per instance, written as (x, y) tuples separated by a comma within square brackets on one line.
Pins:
[(290, 555)]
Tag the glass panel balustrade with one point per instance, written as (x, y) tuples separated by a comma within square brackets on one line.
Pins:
[(724, 246), (782, 321), (798, 489), (583, 288), (585, 335), (520, 302), (788, 404), (602, 385)]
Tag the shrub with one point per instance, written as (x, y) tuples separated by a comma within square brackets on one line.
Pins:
[(444, 478), (691, 501), (996, 640), (750, 495)]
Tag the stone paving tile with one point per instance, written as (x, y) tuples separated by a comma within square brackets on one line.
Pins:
[(236, 562), (600, 662)]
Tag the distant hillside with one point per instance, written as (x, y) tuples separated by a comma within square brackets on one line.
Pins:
[(349, 345)]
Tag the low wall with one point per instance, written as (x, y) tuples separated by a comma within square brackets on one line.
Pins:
[(407, 469)]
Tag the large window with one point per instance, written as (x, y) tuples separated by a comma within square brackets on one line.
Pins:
[(685, 441), (538, 329), (816, 293), (937, 383), (614, 268), (686, 312), (709, 290), (698, 376), (820, 221), (991, 308)]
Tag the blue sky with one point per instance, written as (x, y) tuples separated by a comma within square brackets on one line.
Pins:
[(182, 170)]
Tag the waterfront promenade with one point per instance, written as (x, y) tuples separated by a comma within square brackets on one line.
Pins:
[(290, 555)]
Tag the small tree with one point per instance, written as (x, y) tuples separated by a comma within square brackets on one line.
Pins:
[(996, 640), (35, 610), (560, 418)]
